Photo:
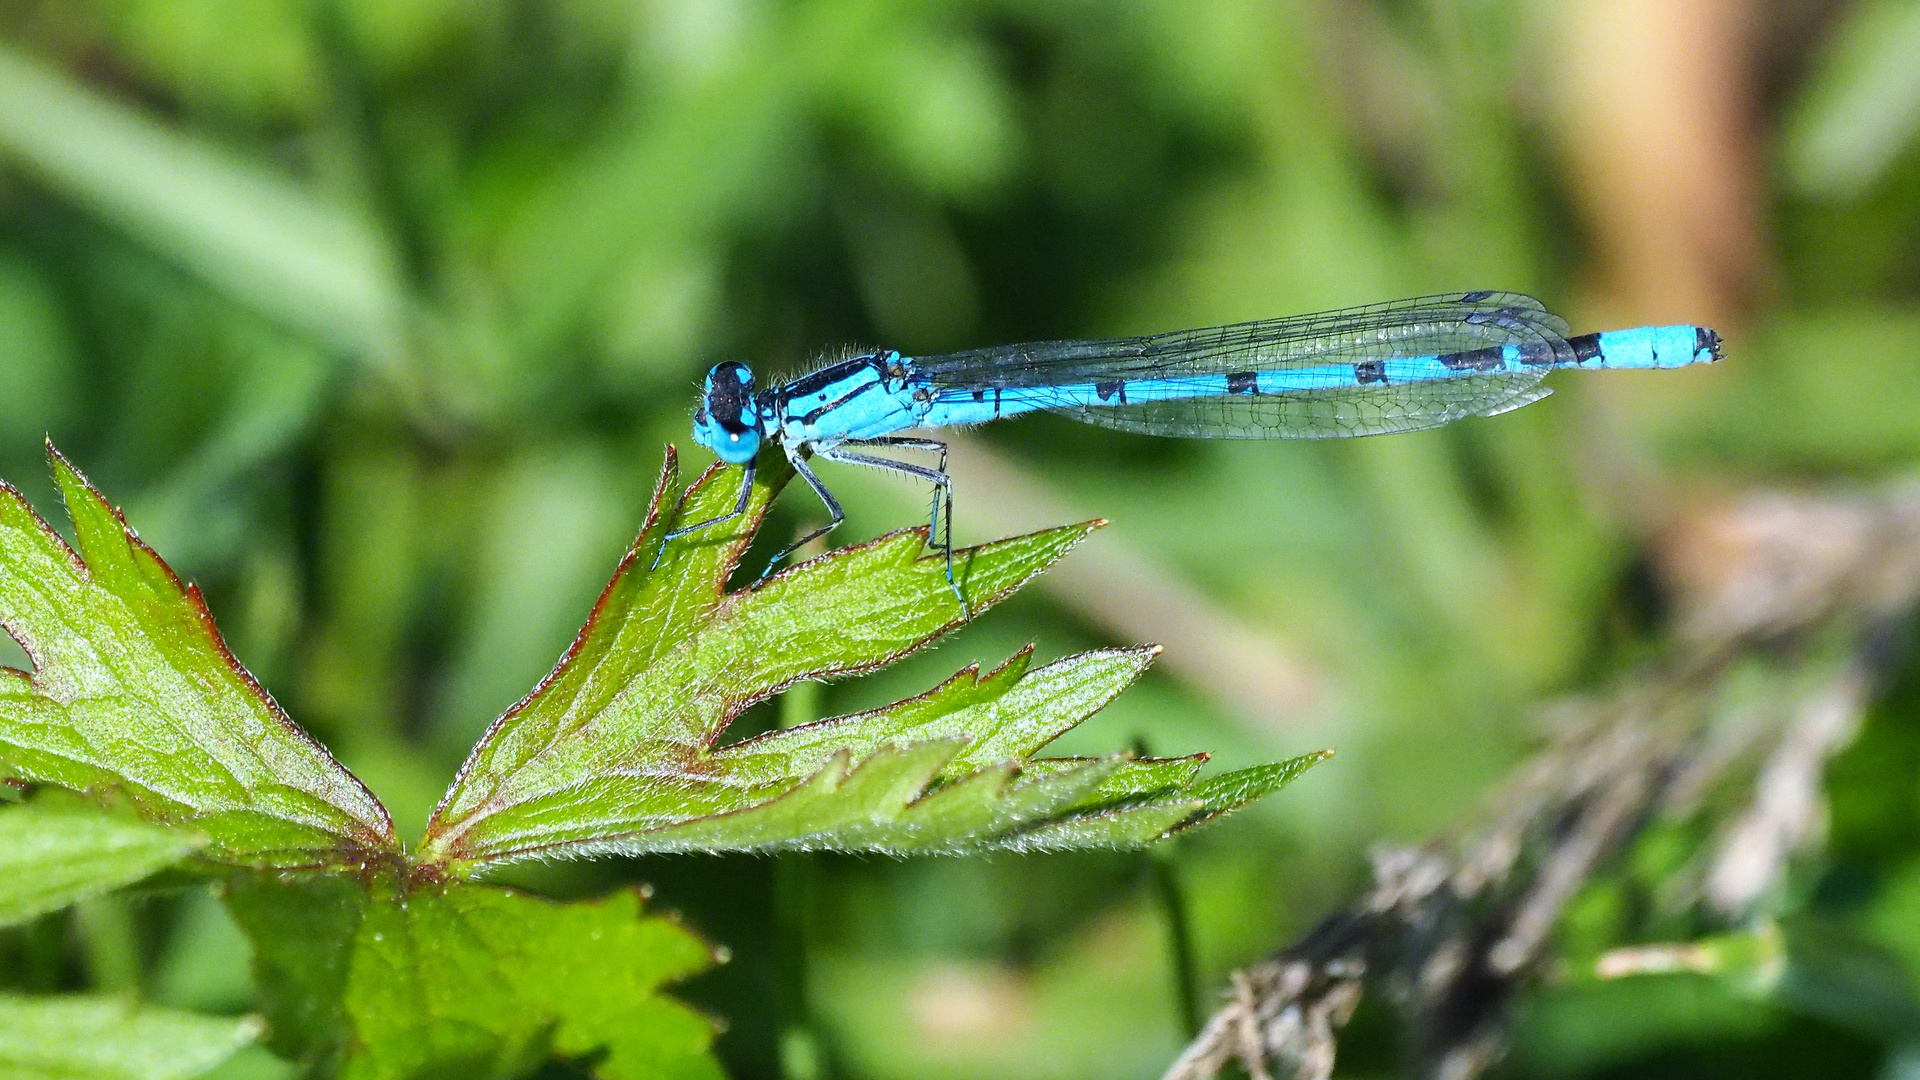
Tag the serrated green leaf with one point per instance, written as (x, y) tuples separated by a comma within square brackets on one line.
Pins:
[(620, 739), (1134, 778), (54, 853), (135, 692), (1120, 827), (1130, 822), (1005, 715), (1231, 791), (471, 981), (883, 806), (617, 749), (72, 1038)]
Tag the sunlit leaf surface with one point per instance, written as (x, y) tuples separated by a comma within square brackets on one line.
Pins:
[(470, 980), (133, 690)]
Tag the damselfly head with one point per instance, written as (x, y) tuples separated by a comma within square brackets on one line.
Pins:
[(728, 419)]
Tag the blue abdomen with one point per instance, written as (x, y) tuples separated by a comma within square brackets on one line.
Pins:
[(1647, 347), (874, 396)]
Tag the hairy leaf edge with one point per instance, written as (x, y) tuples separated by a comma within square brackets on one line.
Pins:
[(380, 838)]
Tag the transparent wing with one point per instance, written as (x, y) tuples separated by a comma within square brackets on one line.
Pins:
[(1319, 414), (1423, 326)]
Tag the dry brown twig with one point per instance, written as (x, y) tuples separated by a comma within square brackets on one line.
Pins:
[(1450, 931)]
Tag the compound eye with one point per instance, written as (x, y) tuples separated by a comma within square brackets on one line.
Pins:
[(729, 396)]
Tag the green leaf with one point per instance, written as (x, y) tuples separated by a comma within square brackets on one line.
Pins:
[(1004, 715), (1126, 822), (54, 853), (617, 751), (1234, 790), (111, 1039), (467, 980), (134, 692)]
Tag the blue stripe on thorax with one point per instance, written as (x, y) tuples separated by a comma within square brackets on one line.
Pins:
[(855, 399)]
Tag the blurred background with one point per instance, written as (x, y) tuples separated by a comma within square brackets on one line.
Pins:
[(377, 314)]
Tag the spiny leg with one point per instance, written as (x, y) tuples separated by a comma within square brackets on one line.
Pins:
[(943, 490), (739, 507), (939, 485), (796, 456)]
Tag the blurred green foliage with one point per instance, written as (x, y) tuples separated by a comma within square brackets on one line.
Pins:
[(378, 313)]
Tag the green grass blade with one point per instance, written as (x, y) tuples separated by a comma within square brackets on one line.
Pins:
[(80, 1038), (53, 854), (255, 235)]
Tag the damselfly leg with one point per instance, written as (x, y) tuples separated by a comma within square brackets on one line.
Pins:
[(798, 456), (739, 507), (937, 476)]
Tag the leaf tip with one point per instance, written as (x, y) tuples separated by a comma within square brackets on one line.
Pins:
[(1083, 530), (1227, 793), (63, 466), (669, 477), (89, 510)]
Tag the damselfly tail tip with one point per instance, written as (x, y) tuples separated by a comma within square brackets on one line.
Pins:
[(1706, 340)]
